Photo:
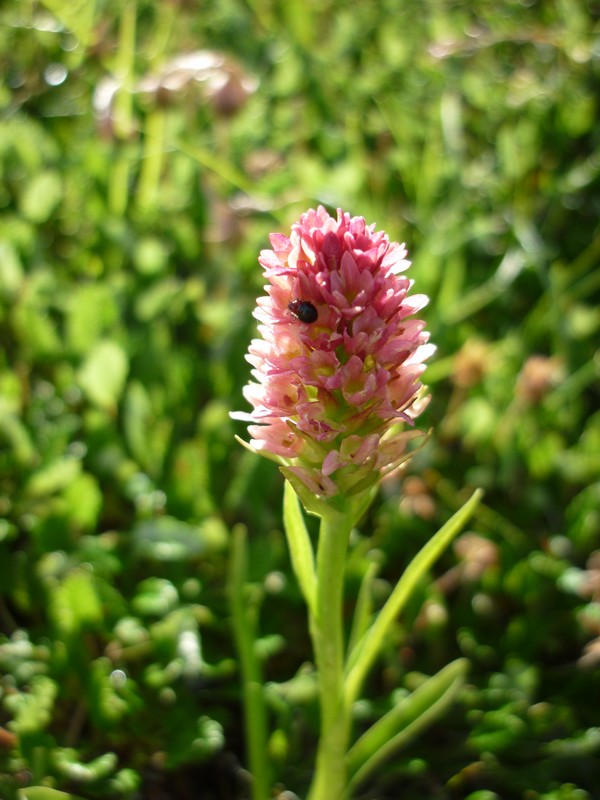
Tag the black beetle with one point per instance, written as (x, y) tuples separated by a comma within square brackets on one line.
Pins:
[(304, 311)]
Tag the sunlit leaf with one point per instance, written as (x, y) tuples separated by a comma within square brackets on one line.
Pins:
[(103, 373), (45, 793), (41, 196), (78, 16)]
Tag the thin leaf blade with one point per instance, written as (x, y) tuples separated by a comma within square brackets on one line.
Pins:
[(365, 652), (405, 721), (300, 547)]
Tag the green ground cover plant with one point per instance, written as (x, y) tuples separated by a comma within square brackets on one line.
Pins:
[(138, 187)]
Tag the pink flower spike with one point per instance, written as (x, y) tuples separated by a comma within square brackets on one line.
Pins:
[(337, 368)]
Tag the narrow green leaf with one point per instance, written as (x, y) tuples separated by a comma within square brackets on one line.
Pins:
[(405, 721), (364, 606), (244, 615), (45, 793), (301, 551), (366, 651), (219, 166)]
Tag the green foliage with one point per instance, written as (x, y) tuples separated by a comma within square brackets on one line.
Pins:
[(405, 720), (129, 228), (44, 793)]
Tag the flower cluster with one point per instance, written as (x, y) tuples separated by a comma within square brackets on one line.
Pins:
[(337, 368)]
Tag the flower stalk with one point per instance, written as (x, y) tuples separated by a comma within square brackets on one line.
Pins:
[(335, 397), (327, 633)]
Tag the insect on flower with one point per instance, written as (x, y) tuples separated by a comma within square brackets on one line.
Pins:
[(304, 311)]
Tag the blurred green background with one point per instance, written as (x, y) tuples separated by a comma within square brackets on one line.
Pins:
[(147, 149)]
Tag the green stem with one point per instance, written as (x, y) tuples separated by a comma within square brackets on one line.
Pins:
[(118, 193), (148, 195), (245, 622), (124, 70), (326, 628)]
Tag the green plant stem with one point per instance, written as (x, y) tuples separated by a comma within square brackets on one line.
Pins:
[(124, 70), (326, 628), (152, 162), (118, 190), (245, 621)]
